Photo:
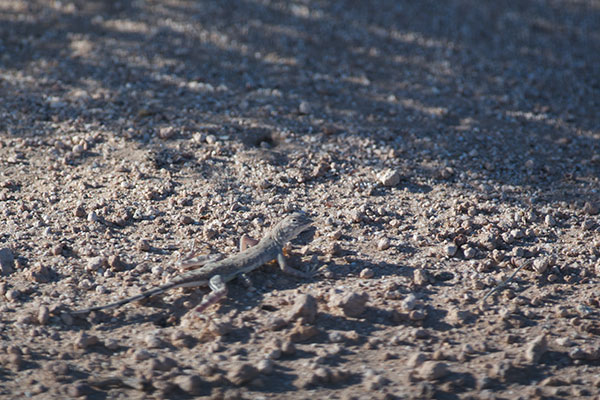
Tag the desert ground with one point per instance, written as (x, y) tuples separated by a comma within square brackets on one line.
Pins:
[(442, 149)]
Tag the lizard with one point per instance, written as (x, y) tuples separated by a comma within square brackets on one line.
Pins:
[(215, 274)]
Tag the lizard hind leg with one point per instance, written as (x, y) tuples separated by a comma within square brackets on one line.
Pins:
[(246, 242), (195, 260), (218, 291)]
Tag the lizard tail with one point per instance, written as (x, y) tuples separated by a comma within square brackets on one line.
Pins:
[(141, 296)]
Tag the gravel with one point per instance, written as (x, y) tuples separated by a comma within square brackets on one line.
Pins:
[(437, 149)]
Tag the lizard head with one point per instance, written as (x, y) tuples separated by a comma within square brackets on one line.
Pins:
[(291, 226)]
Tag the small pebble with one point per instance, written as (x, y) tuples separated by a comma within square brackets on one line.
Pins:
[(450, 250), (40, 273), (209, 233), (304, 107), (352, 304), (101, 289), (577, 353), (590, 208), (12, 295), (143, 245), (211, 139), (95, 263), (389, 178), (77, 149), (302, 333), (336, 337), (220, 327), (156, 269), (152, 341), (186, 220), (366, 273), (409, 302), (470, 253), (190, 384), (83, 340), (275, 323), (420, 277), (322, 374), (356, 215), (162, 363), (115, 263), (85, 284), (374, 382), (497, 255), (25, 319), (66, 318), (416, 359), (265, 366), (587, 225), (92, 217), (273, 354), (421, 334), (166, 132), (111, 344), (338, 376), (7, 261), (540, 265), (336, 235), (43, 315), (433, 370), (383, 244), (334, 249), (305, 307), (417, 315), (288, 348), (458, 317), (536, 349), (242, 373), (57, 249), (264, 184), (80, 211)]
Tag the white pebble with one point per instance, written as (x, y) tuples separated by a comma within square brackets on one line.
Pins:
[(92, 217), (85, 284), (409, 302), (389, 177), (383, 244), (265, 366), (367, 273), (470, 253), (304, 107)]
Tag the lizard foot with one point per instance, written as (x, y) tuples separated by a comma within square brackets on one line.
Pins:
[(210, 299)]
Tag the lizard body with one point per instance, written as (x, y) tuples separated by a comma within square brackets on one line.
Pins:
[(216, 274)]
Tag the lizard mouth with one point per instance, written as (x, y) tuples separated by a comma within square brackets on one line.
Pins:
[(305, 227)]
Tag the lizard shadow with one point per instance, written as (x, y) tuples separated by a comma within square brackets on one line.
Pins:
[(267, 278)]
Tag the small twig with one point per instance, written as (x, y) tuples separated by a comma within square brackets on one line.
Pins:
[(502, 284)]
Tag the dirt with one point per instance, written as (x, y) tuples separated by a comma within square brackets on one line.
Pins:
[(438, 146)]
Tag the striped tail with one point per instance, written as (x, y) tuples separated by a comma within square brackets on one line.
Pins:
[(141, 296)]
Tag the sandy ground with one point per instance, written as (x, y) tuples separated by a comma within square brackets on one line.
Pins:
[(438, 146)]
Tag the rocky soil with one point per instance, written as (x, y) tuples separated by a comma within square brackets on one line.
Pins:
[(439, 147)]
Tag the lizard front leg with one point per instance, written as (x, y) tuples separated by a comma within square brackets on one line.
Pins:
[(218, 291), (289, 270)]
